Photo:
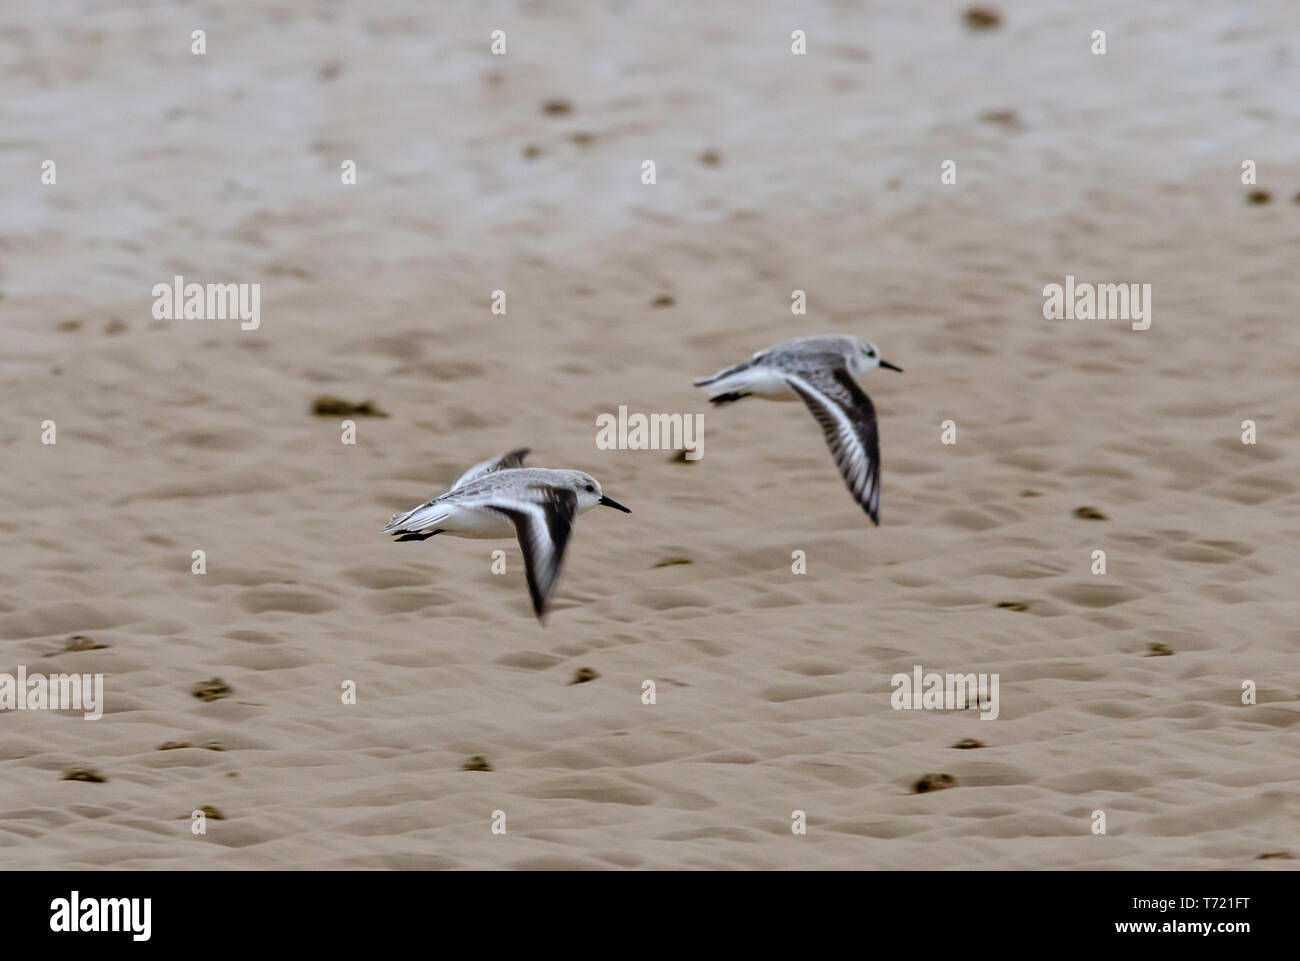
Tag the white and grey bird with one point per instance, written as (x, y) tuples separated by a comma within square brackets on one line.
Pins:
[(821, 371), (501, 498)]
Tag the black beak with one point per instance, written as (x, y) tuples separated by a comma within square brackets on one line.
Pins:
[(609, 502), (888, 366)]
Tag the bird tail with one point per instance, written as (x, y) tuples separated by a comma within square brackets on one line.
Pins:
[(422, 518), (727, 398), (727, 385)]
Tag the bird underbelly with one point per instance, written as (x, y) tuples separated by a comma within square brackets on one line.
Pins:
[(477, 523), (770, 385)]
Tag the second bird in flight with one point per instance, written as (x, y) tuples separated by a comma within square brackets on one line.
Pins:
[(820, 371)]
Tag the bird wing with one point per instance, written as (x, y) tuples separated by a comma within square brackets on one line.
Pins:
[(543, 524), (513, 458), (848, 422)]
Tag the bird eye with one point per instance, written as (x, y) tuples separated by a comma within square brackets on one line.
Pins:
[(871, 353), (591, 489)]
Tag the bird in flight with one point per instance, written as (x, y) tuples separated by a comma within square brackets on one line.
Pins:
[(501, 498), (821, 371)]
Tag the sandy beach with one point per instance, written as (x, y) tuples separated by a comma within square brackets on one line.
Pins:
[(775, 172)]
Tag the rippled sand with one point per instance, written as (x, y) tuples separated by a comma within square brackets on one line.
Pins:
[(774, 173)]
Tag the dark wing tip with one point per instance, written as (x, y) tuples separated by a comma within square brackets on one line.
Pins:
[(534, 588)]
